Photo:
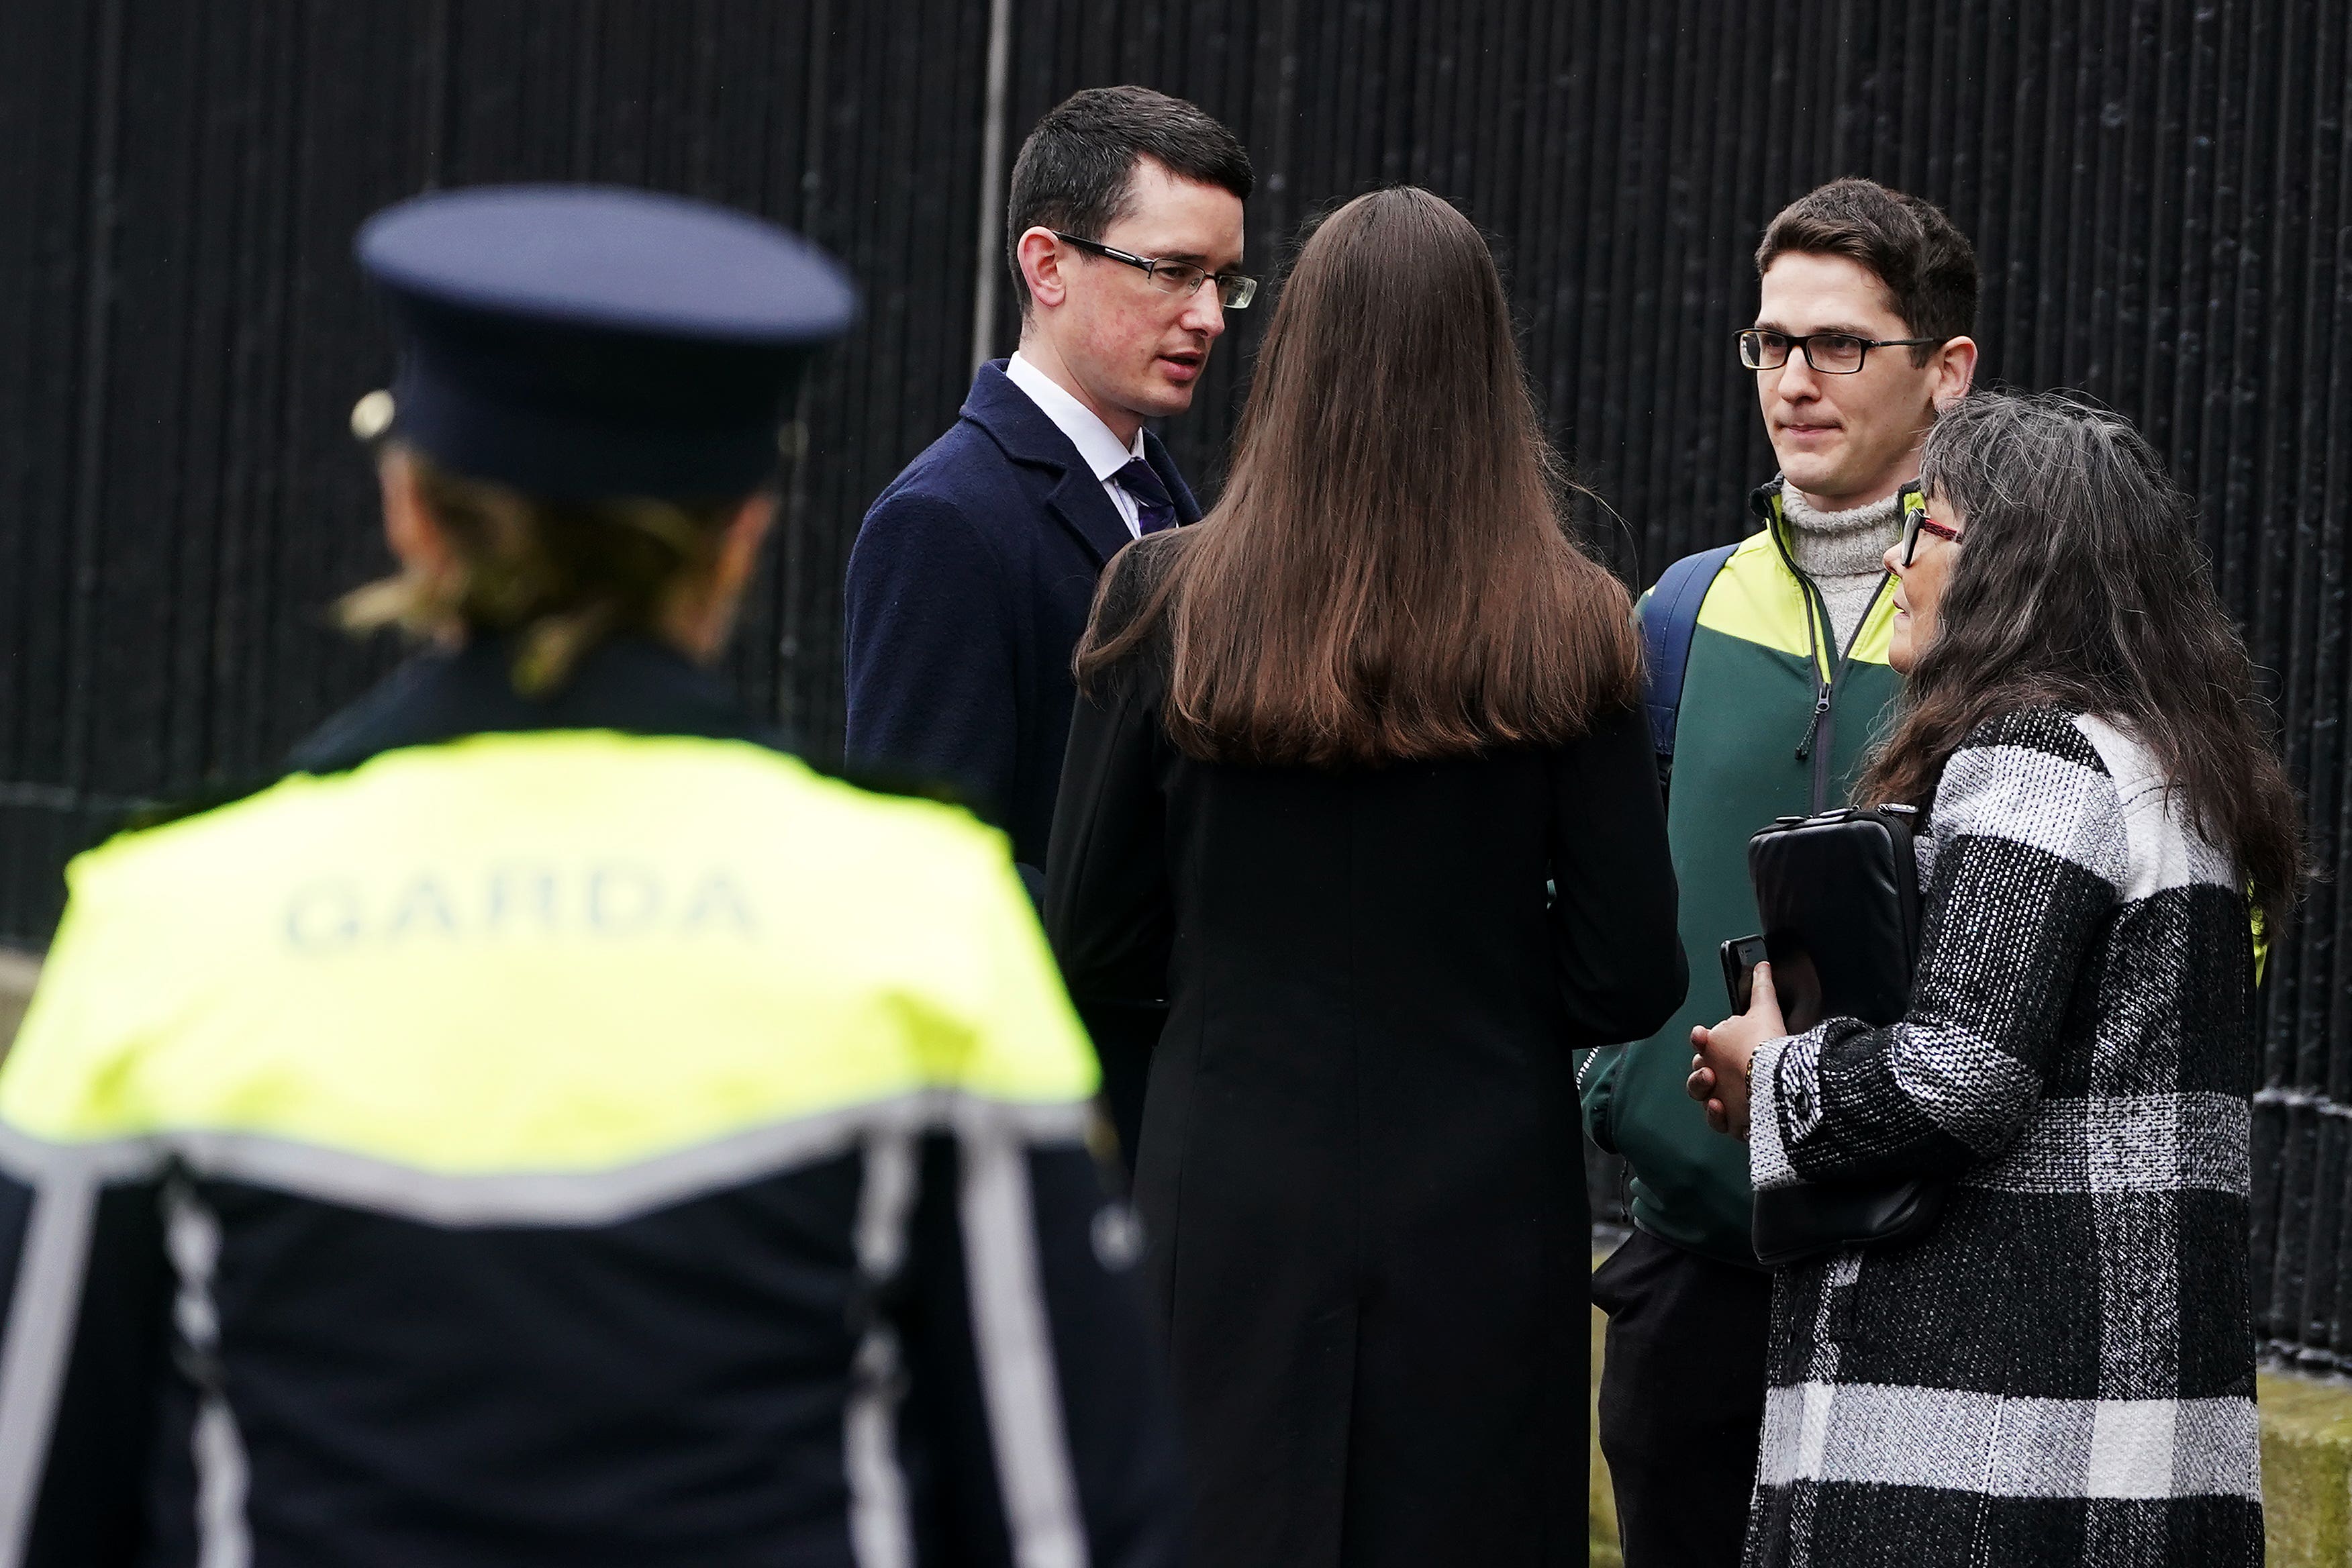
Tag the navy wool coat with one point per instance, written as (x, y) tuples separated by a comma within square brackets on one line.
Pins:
[(969, 588)]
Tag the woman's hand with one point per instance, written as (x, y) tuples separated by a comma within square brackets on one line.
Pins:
[(1718, 1079)]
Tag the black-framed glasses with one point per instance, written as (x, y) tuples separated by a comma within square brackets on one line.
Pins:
[(1916, 522), (1832, 353), (1234, 292)]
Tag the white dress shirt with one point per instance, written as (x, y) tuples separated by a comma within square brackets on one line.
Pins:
[(1099, 449)]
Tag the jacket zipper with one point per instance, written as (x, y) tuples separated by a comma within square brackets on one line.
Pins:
[(1824, 715), (1820, 731)]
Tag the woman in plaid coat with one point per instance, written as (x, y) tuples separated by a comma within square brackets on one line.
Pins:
[(2063, 1372)]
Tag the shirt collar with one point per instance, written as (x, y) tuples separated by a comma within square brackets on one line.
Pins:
[(1101, 450)]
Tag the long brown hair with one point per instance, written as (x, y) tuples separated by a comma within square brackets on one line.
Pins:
[(1389, 574), (2079, 584)]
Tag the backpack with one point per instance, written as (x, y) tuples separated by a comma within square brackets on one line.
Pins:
[(1667, 627)]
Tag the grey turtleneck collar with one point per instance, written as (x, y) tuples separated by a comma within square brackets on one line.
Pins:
[(1842, 553)]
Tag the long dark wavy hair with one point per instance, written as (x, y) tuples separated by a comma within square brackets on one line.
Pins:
[(2079, 583), (1389, 574)]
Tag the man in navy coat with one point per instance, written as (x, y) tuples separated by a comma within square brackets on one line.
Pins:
[(972, 574)]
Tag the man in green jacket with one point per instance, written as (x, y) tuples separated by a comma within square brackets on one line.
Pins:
[(1861, 336)]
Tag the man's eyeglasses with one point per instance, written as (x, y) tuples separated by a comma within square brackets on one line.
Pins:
[(1915, 523), (1832, 353), (1234, 292)]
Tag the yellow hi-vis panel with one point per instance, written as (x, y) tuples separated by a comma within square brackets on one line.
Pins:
[(540, 951), (1757, 599)]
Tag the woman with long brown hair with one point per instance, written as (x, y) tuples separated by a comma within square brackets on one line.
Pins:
[(1358, 783)]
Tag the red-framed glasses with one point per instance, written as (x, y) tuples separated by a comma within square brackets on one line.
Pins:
[(1918, 522)]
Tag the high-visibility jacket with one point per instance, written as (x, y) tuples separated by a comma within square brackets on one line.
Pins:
[(1775, 719), (570, 1133)]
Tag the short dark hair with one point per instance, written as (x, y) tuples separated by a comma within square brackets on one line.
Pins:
[(1076, 169), (1926, 265)]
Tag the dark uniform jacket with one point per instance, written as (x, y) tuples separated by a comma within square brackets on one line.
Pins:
[(562, 1134), (1360, 1171)]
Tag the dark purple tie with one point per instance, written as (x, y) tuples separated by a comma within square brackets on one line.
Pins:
[(1153, 510)]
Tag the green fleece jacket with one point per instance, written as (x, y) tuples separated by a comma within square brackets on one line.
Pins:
[(1774, 722)]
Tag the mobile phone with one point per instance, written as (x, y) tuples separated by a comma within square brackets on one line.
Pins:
[(1740, 956)]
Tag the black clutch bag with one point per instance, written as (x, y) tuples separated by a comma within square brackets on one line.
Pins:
[(1839, 896)]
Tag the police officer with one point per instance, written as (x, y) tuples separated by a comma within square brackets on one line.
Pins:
[(552, 1125)]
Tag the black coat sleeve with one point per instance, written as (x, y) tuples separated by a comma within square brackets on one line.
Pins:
[(1614, 937), (988, 1474)]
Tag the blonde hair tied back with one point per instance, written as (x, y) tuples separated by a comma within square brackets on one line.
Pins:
[(560, 577)]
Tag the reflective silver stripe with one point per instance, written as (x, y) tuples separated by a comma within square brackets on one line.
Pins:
[(41, 1312), (34, 1161), (885, 1202), (1017, 1360), (590, 1196), (225, 1540), (193, 1236), (606, 1195), (1052, 1121), (881, 1530)]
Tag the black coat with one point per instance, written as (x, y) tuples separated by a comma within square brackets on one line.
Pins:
[(969, 587), (1360, 1175)]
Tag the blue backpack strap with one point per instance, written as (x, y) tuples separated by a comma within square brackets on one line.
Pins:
[(1667, 624)]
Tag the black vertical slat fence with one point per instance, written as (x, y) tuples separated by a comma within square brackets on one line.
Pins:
[(2157, 189)]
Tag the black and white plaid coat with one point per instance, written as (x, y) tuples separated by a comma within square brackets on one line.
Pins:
[(2063, 1372)]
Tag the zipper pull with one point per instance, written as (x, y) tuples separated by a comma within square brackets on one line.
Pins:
[(1821, 707)]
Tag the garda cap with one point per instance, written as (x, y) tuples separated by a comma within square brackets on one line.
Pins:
[(579, 341)]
